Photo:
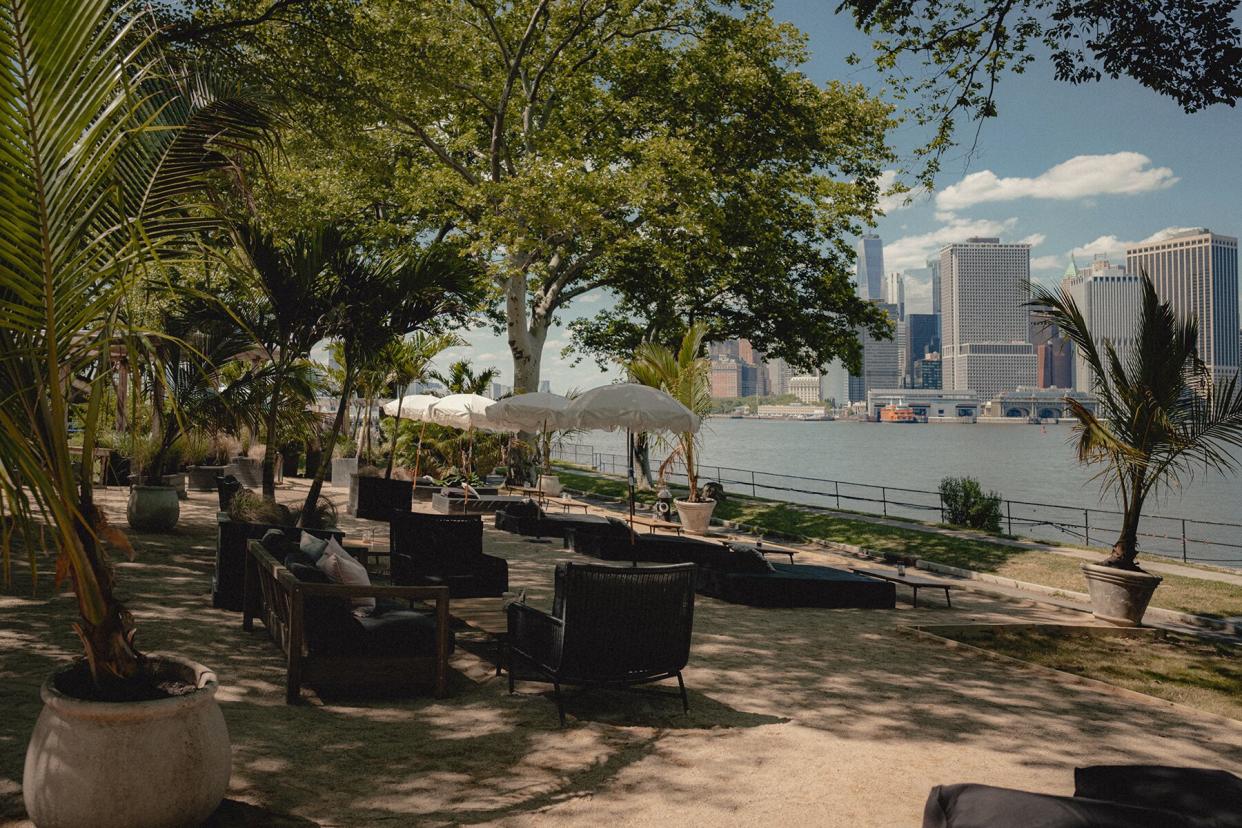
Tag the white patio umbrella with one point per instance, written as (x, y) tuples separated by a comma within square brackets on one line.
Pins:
[(539, 411), (467, 412), (413, 407), (633, 407)]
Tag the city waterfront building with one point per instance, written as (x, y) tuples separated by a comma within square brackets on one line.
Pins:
[(933, 266), (778, 376), (895, 294), (984, 319), (1110, 299), (806, 387), (792, 411), (930, 404), (499, 389), (870, 268), (1054, 363), (1027, 403), (726, 378), (737, 370), (884, 360), (922, 337), (927, 371), (1197, 272)]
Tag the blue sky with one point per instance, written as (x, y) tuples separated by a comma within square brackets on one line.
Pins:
[(1085, 169)]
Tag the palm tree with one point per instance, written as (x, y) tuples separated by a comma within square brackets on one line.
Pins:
[(462, 378), (380, 295), (408, 359), (105, 150), (296, 296), (1160, 417), (685, 375)]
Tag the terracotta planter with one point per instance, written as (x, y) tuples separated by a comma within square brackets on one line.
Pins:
[(203, 478), (1119, 596), (146, 764), (695, 517), (153, 508), (550, 485)]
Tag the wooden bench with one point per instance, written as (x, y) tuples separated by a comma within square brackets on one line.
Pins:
[(912, 581), (273, 594)]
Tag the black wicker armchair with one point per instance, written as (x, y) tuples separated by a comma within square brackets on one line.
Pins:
[(609, 625), (445, 550)]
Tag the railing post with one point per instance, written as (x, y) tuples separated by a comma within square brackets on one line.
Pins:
[(1009, 515), (1086, 527), (941, 496), (753, 492), (1183, 540), (836, 492), (884, 500)]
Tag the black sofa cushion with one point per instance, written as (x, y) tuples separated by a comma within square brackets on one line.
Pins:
[(1208, 798), (985, 806), (398, 631), (743, 559), (797, 585)]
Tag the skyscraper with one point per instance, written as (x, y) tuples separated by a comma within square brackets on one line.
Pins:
[(778, 376), (933, 265), (1109, 298), (884, 360), (1197, 272), (870, 270), (923, 335), (984, 319), (895, 294)]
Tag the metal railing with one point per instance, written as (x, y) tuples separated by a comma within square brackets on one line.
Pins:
[(1186, 539)]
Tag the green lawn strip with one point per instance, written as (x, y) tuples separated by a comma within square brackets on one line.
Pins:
[(1202, 674), (1178, 592)]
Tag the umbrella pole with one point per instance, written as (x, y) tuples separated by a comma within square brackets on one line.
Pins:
[(629, 461), (418, 452)]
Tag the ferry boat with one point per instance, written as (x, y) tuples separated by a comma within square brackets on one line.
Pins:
[(895, 413)]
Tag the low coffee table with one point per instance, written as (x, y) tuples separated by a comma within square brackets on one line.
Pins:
[(913, 581)]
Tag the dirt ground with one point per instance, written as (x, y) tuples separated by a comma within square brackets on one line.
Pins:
[(797, 717)]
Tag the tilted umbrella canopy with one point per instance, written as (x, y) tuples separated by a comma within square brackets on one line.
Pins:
[(464, 411), (411, 406), (539, 411), (632, 407)]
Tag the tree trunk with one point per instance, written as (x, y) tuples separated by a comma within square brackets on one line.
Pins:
[(312, 496), (1125, 550), (526, 338), (642, 457), (269, 448)]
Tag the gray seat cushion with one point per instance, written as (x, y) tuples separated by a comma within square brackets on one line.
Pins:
[(984, 806), (1208, 798)]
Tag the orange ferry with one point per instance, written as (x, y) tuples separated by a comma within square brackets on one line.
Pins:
[(897, 414)]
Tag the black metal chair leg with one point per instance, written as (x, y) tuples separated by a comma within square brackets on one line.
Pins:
[(685, 701), (560, 704), (510, 651)]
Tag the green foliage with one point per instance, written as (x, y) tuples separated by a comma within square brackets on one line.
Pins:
[(248, 506), (1160, 418), (463, 379), (966, 505)]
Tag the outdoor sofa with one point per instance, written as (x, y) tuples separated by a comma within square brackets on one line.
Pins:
[(1105, 796), (527, 518), (445, 550), (398, 647), (737, 574), (609, 626), (232, 537)]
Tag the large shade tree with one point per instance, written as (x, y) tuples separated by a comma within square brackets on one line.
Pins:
[(583, 145)]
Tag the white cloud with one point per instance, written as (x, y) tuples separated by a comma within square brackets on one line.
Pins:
[(910, 252), (891, 202), (1115, 248), (1048, 263), (1119, 173), (1034, 240)]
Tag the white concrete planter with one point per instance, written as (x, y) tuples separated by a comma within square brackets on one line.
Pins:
[(177, 482), (153, 508), (1119, 596), (695, 517), (342, 468), (203, 478), (147, 764), (550, 485)]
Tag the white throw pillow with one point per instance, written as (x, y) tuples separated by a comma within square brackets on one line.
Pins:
[(341, 568)]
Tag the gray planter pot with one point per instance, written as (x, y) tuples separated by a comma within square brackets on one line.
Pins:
[(1119, 596), (177, 481), (249, 471), (153, 508), (203, 478), (342, 468), (129, 764)]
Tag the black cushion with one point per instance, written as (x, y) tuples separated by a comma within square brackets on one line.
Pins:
[(1209, 798), (524, 508), (304, 569), (984, 806), (398, 632), (274, 539), (744, 559)]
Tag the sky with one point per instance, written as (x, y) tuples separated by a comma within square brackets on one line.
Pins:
[(1070, 170)]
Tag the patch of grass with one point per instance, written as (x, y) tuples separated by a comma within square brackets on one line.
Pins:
[(1202, 674), (1178, 592)]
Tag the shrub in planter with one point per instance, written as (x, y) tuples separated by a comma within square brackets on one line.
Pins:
[(966, 505)]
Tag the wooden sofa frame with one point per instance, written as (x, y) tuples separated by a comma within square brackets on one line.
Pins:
[(276, 596)]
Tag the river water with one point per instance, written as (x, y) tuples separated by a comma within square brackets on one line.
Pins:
[(1033, 466)]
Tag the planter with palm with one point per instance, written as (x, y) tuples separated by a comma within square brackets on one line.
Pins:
[(99, 180), (685, 375), (1159, 419)]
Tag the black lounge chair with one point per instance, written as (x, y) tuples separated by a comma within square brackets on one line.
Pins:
[(615, 541), (609, 626), (445, 550), (527, 518)]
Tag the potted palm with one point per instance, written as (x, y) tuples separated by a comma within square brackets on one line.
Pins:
[(685, 375), (125, 738), (153, 503), (1159, 418)]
